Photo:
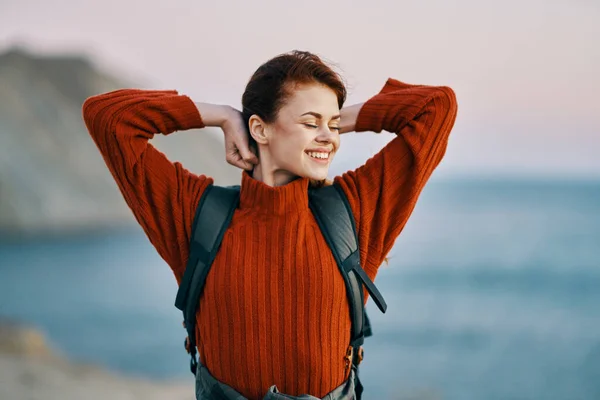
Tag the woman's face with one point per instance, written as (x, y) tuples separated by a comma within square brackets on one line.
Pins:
[(304, 138)]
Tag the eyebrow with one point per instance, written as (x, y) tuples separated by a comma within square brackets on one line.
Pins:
[(317, 115)]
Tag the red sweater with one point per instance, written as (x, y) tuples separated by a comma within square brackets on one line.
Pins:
[(274, 309)]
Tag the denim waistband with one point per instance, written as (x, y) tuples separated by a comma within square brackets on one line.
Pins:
[(208, 388)]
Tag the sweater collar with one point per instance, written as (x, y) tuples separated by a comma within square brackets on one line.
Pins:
[(278, 200)]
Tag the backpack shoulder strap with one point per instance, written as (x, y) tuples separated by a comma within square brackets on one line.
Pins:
[(213, 216), (334, 215)]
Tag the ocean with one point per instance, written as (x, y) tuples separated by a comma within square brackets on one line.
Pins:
[(493, 292)]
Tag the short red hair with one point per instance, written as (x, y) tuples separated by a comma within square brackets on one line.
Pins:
[(272, 83)]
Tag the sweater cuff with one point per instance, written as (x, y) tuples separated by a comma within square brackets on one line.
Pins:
[(370, 116), (373, 113), (184, 114)]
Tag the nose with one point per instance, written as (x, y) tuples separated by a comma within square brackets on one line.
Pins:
[(326, 135)]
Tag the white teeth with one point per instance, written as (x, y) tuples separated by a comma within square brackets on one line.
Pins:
[(315, 154)]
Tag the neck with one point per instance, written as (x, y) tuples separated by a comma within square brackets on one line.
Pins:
[(268, 200), (271, 176)]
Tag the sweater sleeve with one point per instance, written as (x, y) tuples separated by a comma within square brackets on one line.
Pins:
[(161, 194), (383, 192)]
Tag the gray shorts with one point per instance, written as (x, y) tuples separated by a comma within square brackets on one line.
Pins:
[(208, 388)]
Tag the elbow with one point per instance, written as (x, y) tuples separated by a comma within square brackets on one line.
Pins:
[(448, 101), (445, 107), (100, 110), (88, 110), (92, 108)]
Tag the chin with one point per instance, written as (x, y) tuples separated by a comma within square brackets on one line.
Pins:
[(320, 176)]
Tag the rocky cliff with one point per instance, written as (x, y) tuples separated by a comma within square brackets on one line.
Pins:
[(52, 177), (30, 369)]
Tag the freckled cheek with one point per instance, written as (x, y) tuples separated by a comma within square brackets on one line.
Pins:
[(291, 143), (336, 146), (296, 144), (289, 149)]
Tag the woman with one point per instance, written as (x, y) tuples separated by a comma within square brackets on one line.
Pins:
[(274, 309)]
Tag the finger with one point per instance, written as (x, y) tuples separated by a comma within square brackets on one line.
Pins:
[(246, 153), (230, 147), (236, 160), (245, 165), (232, 155), (249, 157)]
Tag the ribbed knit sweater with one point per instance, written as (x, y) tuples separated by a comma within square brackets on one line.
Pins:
[(274, 310)]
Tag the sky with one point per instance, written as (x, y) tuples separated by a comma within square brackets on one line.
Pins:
[(526, 73)]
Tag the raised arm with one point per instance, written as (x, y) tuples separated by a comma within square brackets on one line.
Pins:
[(383, 192), (162, 195)]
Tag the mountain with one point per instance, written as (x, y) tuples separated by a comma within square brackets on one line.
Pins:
[(52, 177), (31, 369)]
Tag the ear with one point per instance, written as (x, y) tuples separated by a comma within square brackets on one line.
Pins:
[(258, 129)]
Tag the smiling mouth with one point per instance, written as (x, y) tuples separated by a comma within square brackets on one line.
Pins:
[(318, 155)]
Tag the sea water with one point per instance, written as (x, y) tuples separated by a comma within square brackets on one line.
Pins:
[(493, 291)]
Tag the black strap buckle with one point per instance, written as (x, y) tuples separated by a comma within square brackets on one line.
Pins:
[(359, 354), (191, 349), (193, 364)]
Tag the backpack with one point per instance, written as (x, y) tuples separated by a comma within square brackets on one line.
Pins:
[(333, 214)]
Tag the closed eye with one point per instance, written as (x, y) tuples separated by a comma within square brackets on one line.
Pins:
[(333, 128)]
